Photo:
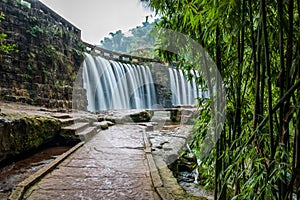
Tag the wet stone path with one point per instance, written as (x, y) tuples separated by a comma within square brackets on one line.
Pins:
[(112, 165)]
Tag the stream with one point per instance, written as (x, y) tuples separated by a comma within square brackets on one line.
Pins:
[(14, 173), (183, 170)]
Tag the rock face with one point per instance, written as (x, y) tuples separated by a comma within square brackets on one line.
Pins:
[(23, 134), (184, 115), (161, 80)]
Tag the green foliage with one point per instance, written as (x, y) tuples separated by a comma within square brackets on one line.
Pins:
[(35, 31), (50, 37), (29, 67), (137, 43), (6, 47), (24, 3), (255, 45), (27, 76)]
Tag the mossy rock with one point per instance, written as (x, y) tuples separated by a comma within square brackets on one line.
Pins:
[(24, 134), (143, 116), (104, 126)]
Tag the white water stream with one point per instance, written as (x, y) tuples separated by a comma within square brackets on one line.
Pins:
[(114, 85)]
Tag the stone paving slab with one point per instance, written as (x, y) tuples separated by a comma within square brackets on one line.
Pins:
[(89, 183), (119, 194), (122, 165), (112, 165), (94, 172), (106, 152)]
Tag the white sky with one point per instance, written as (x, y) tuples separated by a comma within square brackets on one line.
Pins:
[(97, 18)]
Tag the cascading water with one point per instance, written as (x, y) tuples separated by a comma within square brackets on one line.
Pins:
[(115, 85), (185, 92)]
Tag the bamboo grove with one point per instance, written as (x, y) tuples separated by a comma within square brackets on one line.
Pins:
[(256, 47)]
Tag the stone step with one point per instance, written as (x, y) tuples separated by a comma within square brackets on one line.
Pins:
[(61, 115), (87, 133), (77, 127), (68, 121), (89, 120), (69, 133)]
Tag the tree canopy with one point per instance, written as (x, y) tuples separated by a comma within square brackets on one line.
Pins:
[(137, 42)]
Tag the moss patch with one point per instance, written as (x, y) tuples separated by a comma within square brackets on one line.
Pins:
[(143, 116)]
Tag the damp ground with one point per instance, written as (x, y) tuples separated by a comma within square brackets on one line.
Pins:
[(17, 171), (127, 161)]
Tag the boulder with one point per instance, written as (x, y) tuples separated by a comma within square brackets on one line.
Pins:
[(142, 116), (22, 134), (125, 116)]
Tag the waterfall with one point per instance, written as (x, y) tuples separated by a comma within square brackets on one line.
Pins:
[(114, 85), (185, 92)]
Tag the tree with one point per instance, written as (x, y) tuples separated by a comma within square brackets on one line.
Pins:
[(256, 47), (137, 43)]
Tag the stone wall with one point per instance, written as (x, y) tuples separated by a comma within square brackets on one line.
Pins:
[(160, 73), (42, 68), (48, 53)]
